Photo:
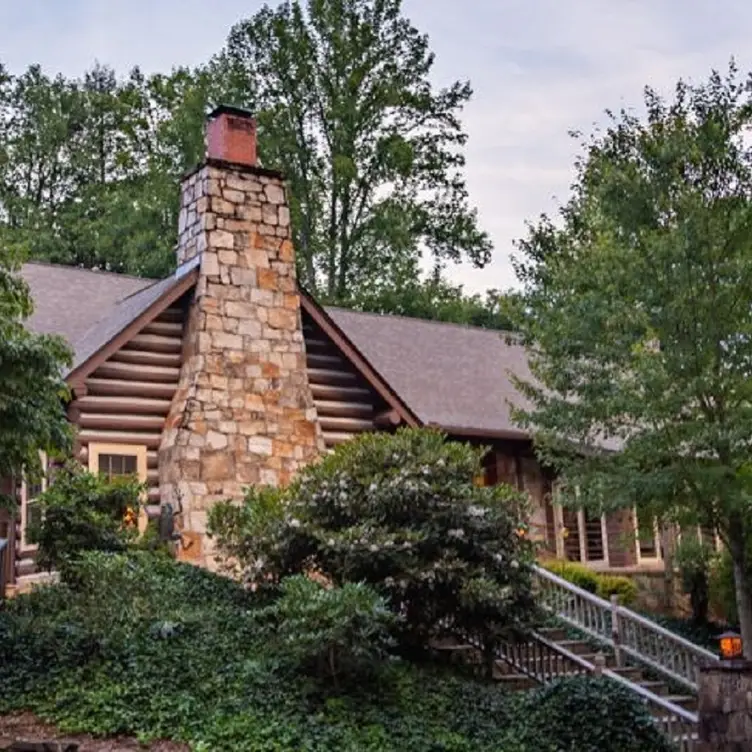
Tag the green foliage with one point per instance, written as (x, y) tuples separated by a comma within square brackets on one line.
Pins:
[(624, 587), (84, 512), (574, 572), (637, 303), (556, 716), (146, 646), (89, 167), (695, 560), (32, 392), (373, 152), (436, 299), (332, 631), (400, 512), (603, 585)]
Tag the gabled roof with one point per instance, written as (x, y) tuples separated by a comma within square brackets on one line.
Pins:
[(113, 302), (452, 376)]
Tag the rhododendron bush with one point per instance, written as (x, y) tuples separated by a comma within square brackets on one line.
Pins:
[(402, 513)]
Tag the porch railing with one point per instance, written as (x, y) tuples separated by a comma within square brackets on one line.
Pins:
[(624, 631), (545, 661)]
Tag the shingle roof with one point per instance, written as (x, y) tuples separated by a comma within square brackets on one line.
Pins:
[(453, 376), (63, 296), (68, 300)]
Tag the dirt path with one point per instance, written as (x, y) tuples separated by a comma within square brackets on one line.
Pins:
[(27, 728)]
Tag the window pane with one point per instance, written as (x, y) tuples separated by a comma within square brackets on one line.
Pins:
[(33, 515), (115, 465), (646, 535)]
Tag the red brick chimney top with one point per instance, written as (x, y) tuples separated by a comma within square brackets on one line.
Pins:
[(231, 136)]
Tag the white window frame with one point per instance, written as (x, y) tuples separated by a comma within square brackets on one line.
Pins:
[(657, 541), (581, 530), (25, 501), (139, 451)]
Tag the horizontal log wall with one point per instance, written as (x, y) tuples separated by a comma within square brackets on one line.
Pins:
[(128, 397), (346, 405)]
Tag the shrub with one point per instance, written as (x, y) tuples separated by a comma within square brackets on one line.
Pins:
[(723, 589), (333, 631), (84, 512), (584, 714), (603, 585), (150, 647), (624, 587), (401, 513), (695, 561), (577, 574)]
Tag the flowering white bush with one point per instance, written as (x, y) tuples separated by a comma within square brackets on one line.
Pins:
[(402, 513)]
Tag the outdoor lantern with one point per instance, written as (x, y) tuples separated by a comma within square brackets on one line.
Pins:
[(731, 646)]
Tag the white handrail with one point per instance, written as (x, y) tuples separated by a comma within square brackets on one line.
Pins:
[(624, 630), (545, 660)]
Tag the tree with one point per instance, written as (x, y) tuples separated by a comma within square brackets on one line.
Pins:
[(436, 299), (638, 315), (32, 390), (372, 151)]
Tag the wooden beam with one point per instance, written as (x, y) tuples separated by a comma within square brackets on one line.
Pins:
[(388, 419)]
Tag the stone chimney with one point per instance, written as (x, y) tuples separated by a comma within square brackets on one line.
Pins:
[(243, 413)]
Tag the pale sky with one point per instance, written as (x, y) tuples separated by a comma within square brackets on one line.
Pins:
[(539, 69)]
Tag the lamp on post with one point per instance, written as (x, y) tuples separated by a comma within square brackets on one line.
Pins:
[(731, 646)]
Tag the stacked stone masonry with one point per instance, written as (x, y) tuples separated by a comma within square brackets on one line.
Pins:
[(243, 413)]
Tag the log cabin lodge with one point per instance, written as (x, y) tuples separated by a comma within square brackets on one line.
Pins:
[(225, 374)]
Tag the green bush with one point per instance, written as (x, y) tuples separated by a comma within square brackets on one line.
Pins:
[(577, 574), (624, 587), (603, 585), (149, 647), (584, 714), (401, 513), (84, 512), (332, 631), (723, 588)]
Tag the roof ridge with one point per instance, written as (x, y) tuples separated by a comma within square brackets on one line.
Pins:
[(436, 322), (70, 267)]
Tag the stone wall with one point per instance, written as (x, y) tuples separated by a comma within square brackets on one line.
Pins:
[(243, 413)]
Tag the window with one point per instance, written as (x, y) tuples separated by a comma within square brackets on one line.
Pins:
[(648, 537), (114, 465), (28, 492), (582, 536), (120, 460)]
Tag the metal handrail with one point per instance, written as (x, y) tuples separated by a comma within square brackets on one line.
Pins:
[(624, 630)]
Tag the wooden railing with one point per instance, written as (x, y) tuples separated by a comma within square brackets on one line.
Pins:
[(545, 661), (624, 631)]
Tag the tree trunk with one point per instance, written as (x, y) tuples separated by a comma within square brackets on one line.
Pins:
[(738, 550), (743, 606), (668, 540)]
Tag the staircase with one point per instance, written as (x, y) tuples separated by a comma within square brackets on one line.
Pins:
[(659, 666), (603, 638)]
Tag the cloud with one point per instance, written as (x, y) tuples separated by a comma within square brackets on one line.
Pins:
[(539, 69)]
